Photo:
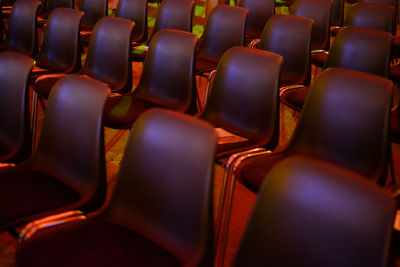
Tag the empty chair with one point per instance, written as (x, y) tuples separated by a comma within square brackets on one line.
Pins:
[(21, 34), (67, 171), (108, 57), (225, 28), (319, 11), (160, 213), (245, 78), (172, 14), (94, 10), (161, 84), (392, 3), (290, 37), (372, 16), (51, 5), (135, 10), (311, 213), (354, 48), (15, 134), (344, 121), (337, 14), (259, 13), (60, 53)]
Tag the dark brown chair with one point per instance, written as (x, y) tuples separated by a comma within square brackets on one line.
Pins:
[(319, 11), (225, 28), (60, 53), (337, 14), (135, 10), (259, 13), (392, 3), (372, 16), (344, 121), (108, 57), (167, 80), (94, 11), (21, 34), (15, 134), (245, 78), (290, 37), (67, 171), (50, 6), (172, 14), (354, 48), (309, 212), (160, 213)]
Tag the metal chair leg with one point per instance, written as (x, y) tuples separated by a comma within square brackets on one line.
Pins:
[(34, 119)]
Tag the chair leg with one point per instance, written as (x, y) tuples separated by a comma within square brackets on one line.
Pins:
[(34, 119)]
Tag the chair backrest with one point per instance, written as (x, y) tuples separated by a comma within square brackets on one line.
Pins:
[(392, 3), (345, 121), (61, 51), (311, 213), (170, 85), (15, 134), (290, 37), (71, 144), (93, 10), (337, 13), (225, 28), (109, 53), (244, 95), (259, 13), (53, 4), (174, 14), (361, 49), (319, 11), (22, 33), (135, 10), (372, 16), (164, 192)]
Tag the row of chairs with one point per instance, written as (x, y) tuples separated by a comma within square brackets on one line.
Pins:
[(150, 220)]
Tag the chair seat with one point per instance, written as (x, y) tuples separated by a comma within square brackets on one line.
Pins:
[(28, 194), (394, 73), (85, 37), (139, 53), (334, 30), (396, 43), (90, 243), (295, 98), (45, 83), (205, 64), (252, 172), (319, 59), (119, 112), (229, 143), (395, 126)]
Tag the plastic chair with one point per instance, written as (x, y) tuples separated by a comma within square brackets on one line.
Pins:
[(135, 10), (225, 28), (337, 14), (344, 121), (290, 37), (94, 11), (60, 53), (50, 6), (67, 171), (319, 11), (162, 84), (21, 34), (160, 213), (372, 16), (354, 48), (260, 11), (392, 3), (172, 14), (309, 212), (241, 81), (15, 134)]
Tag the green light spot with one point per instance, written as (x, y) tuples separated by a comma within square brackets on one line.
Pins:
[(198, 30), (151, 21), (199, 11)]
